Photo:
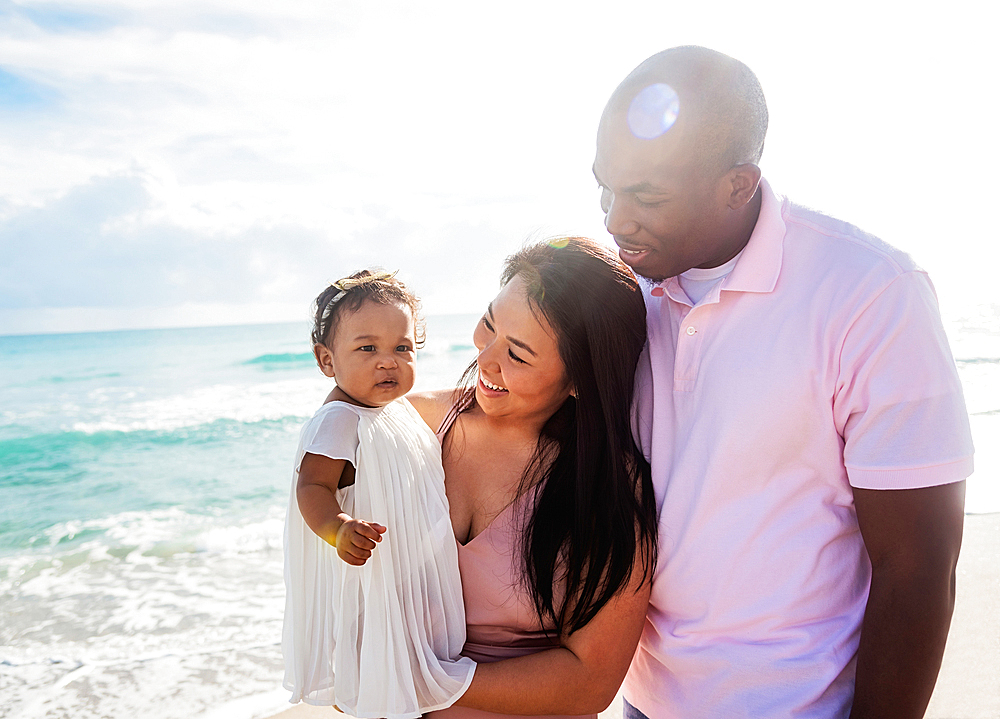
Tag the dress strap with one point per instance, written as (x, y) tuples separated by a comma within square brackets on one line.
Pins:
[(464, 402)]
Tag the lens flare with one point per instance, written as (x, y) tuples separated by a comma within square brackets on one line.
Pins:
[(653, 111), (559, 242)]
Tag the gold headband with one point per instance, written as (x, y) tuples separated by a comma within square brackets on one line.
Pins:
[(347, 284)]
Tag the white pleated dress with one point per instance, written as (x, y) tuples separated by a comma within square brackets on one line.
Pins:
[(383, 639)]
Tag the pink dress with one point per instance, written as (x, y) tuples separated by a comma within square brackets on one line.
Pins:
[(500, 617)]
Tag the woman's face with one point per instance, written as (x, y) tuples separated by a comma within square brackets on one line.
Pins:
[(520, 371)]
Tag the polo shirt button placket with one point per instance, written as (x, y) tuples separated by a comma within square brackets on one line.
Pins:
[(687, 355)]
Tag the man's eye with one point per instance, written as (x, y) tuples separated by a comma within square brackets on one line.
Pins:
[(648, 201), (515, 357)]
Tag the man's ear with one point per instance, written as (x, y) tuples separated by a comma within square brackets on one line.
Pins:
[(743, 180), (324, 358)]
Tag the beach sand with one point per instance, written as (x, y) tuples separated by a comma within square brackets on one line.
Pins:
[(968, 686)]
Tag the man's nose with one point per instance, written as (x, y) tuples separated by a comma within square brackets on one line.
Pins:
[(617, 219)]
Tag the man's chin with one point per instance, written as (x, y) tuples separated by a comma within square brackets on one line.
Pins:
[(648, 278), (640, 263), (645, 271)]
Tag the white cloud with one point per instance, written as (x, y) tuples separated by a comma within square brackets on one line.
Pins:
[(194, 154)]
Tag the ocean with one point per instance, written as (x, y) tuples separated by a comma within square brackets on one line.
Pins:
[(144, 477)]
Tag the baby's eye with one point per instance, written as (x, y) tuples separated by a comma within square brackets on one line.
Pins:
[(515, 357), (367, 348), (404, 348)]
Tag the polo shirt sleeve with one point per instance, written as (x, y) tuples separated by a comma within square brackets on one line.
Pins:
[(898, 402), (333, 433)]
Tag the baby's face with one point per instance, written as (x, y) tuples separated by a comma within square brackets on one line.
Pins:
[(373, 353)]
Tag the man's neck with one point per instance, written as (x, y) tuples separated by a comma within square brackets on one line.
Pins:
[(742, 228)]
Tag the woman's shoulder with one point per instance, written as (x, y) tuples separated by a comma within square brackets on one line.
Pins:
[(432, 406)]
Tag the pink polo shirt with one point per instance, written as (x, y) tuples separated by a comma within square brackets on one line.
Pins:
[(819, 364)]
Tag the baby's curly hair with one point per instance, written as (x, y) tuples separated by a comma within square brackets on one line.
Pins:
[(374, 286)]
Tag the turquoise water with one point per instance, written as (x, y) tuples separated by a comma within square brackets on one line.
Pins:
[(144, 477), (201, 420), (98, 424)]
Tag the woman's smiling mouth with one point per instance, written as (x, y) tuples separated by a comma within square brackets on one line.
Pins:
[(490, 386)]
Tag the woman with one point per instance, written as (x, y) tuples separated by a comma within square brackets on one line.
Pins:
[(551, 502)]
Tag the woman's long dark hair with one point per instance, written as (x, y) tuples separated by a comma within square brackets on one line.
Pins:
[(593, 523)]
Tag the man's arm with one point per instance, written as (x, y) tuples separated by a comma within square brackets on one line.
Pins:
[(913, 538)]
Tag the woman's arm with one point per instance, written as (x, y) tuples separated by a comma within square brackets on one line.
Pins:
[(580, 677), (315, 492)]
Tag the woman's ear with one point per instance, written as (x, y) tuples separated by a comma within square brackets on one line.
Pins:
[(324, 358)]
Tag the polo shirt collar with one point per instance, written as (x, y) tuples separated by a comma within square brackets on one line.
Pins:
[(760, 263)]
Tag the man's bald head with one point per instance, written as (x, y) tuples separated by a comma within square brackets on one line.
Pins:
[(676, 159), (720, 103)]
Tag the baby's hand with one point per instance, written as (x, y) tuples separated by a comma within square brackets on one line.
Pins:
[(356, 539)]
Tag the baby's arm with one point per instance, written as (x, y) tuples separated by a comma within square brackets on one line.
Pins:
[(315, 492)]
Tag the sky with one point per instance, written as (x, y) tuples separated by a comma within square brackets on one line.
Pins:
[(175, 163)]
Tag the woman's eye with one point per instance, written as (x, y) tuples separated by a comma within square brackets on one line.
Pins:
[(486, 323), (515, 357)]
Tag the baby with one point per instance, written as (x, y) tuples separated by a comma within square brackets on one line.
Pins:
[(374, 619)]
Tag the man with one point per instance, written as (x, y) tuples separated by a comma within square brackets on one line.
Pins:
[(802, 414)]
